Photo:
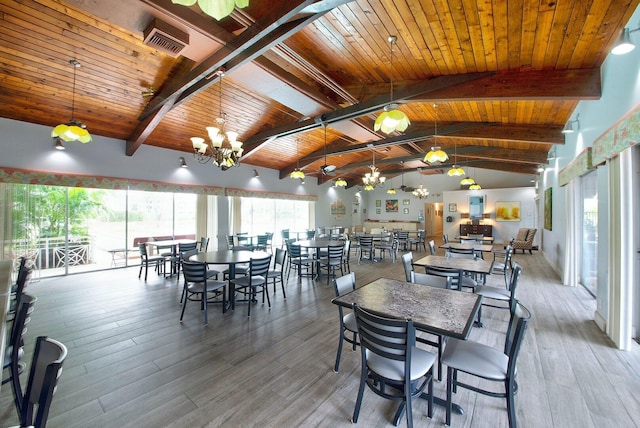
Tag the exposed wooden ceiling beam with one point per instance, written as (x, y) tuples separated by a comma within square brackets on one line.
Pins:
[(281, 13), (469, 130), (577, 84), (360, 109)]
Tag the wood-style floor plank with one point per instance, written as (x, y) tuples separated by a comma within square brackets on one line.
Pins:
[(132, 364)]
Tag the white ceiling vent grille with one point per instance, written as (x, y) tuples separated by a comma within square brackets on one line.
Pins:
[(165, 38)]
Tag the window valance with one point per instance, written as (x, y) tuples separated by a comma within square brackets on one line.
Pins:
[(268, 195), (577, 167), (622, 135), (11, 175)]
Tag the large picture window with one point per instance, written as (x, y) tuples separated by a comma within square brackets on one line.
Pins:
[(72, 229), (260, 215)]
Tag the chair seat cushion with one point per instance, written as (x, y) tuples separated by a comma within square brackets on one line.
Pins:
[(274, 273), (198, 287), (349, 321), (469, 282), (493, 293), (245, 281), (475, 358), (421, 363), (498, 266)]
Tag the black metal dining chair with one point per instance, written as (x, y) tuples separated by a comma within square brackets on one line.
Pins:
[(479, 360), (199, 287), (392, 366), (46, 367), (348, 328), (145, 260), (254, 281)]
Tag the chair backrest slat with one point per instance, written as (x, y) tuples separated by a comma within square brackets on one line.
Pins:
[(389, 338), (407, 262), (454, 275), (46, 368), (435, 281), (344, 284), (259, 267)]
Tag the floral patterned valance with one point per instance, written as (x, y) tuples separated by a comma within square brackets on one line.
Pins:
[(577, 167), (10, 175), (622, 135), (268, 195)]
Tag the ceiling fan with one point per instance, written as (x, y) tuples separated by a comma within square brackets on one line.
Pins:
[(326, 169), (402, 186)]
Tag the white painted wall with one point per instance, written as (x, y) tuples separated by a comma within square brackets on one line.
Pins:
[(620, 94), (502, 230), (29, 146)]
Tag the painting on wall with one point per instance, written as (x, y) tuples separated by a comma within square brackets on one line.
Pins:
[(377, 210), (508, 211), (392, 206), (378, 203), (406, 210), (338, 209), (548, 209)]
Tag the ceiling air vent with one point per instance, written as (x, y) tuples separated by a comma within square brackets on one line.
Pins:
[(165, 38)]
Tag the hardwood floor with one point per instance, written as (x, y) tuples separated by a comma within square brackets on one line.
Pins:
[(131, 363)]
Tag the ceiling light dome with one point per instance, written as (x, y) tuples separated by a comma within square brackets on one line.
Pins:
[(436, 155), (391, 119)]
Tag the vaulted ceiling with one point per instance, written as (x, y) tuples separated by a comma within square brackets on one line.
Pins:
[(505, 76)]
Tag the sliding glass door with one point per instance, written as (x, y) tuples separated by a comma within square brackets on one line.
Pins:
[(589, 267), (65, 230)]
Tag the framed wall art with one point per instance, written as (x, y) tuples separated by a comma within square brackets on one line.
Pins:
[(406, 210), (508, 211), (548, 213), (392, 205), (378, 203), (406, 201), (453, 208)]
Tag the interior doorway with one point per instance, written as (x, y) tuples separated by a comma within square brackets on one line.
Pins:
[(433, 221)]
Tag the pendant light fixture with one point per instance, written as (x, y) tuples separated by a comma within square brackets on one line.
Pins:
[(391, 119), (392, 191), (373, 178), (341, 182), (73, 130), (420, 192), (455, 171), (222, 155), (436, 154), (217, 9), (297, 173)]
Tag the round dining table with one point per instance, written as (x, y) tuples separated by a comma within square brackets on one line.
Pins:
[(231, 259)]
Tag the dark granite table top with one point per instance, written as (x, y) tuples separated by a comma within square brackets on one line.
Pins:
[(469, 265), (475, 247), (436, 310)]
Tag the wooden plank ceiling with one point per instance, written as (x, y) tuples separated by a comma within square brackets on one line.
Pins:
[(505, 76)]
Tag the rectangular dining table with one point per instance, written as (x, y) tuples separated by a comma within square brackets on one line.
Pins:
[(477, 266), (485, 248), (433, 310)]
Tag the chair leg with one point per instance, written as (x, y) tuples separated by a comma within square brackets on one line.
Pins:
[(341, 338), (204, 299), (184, 304), (363, 379), (511, 408)]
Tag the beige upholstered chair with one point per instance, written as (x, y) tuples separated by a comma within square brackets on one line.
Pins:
[(524, 240)]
